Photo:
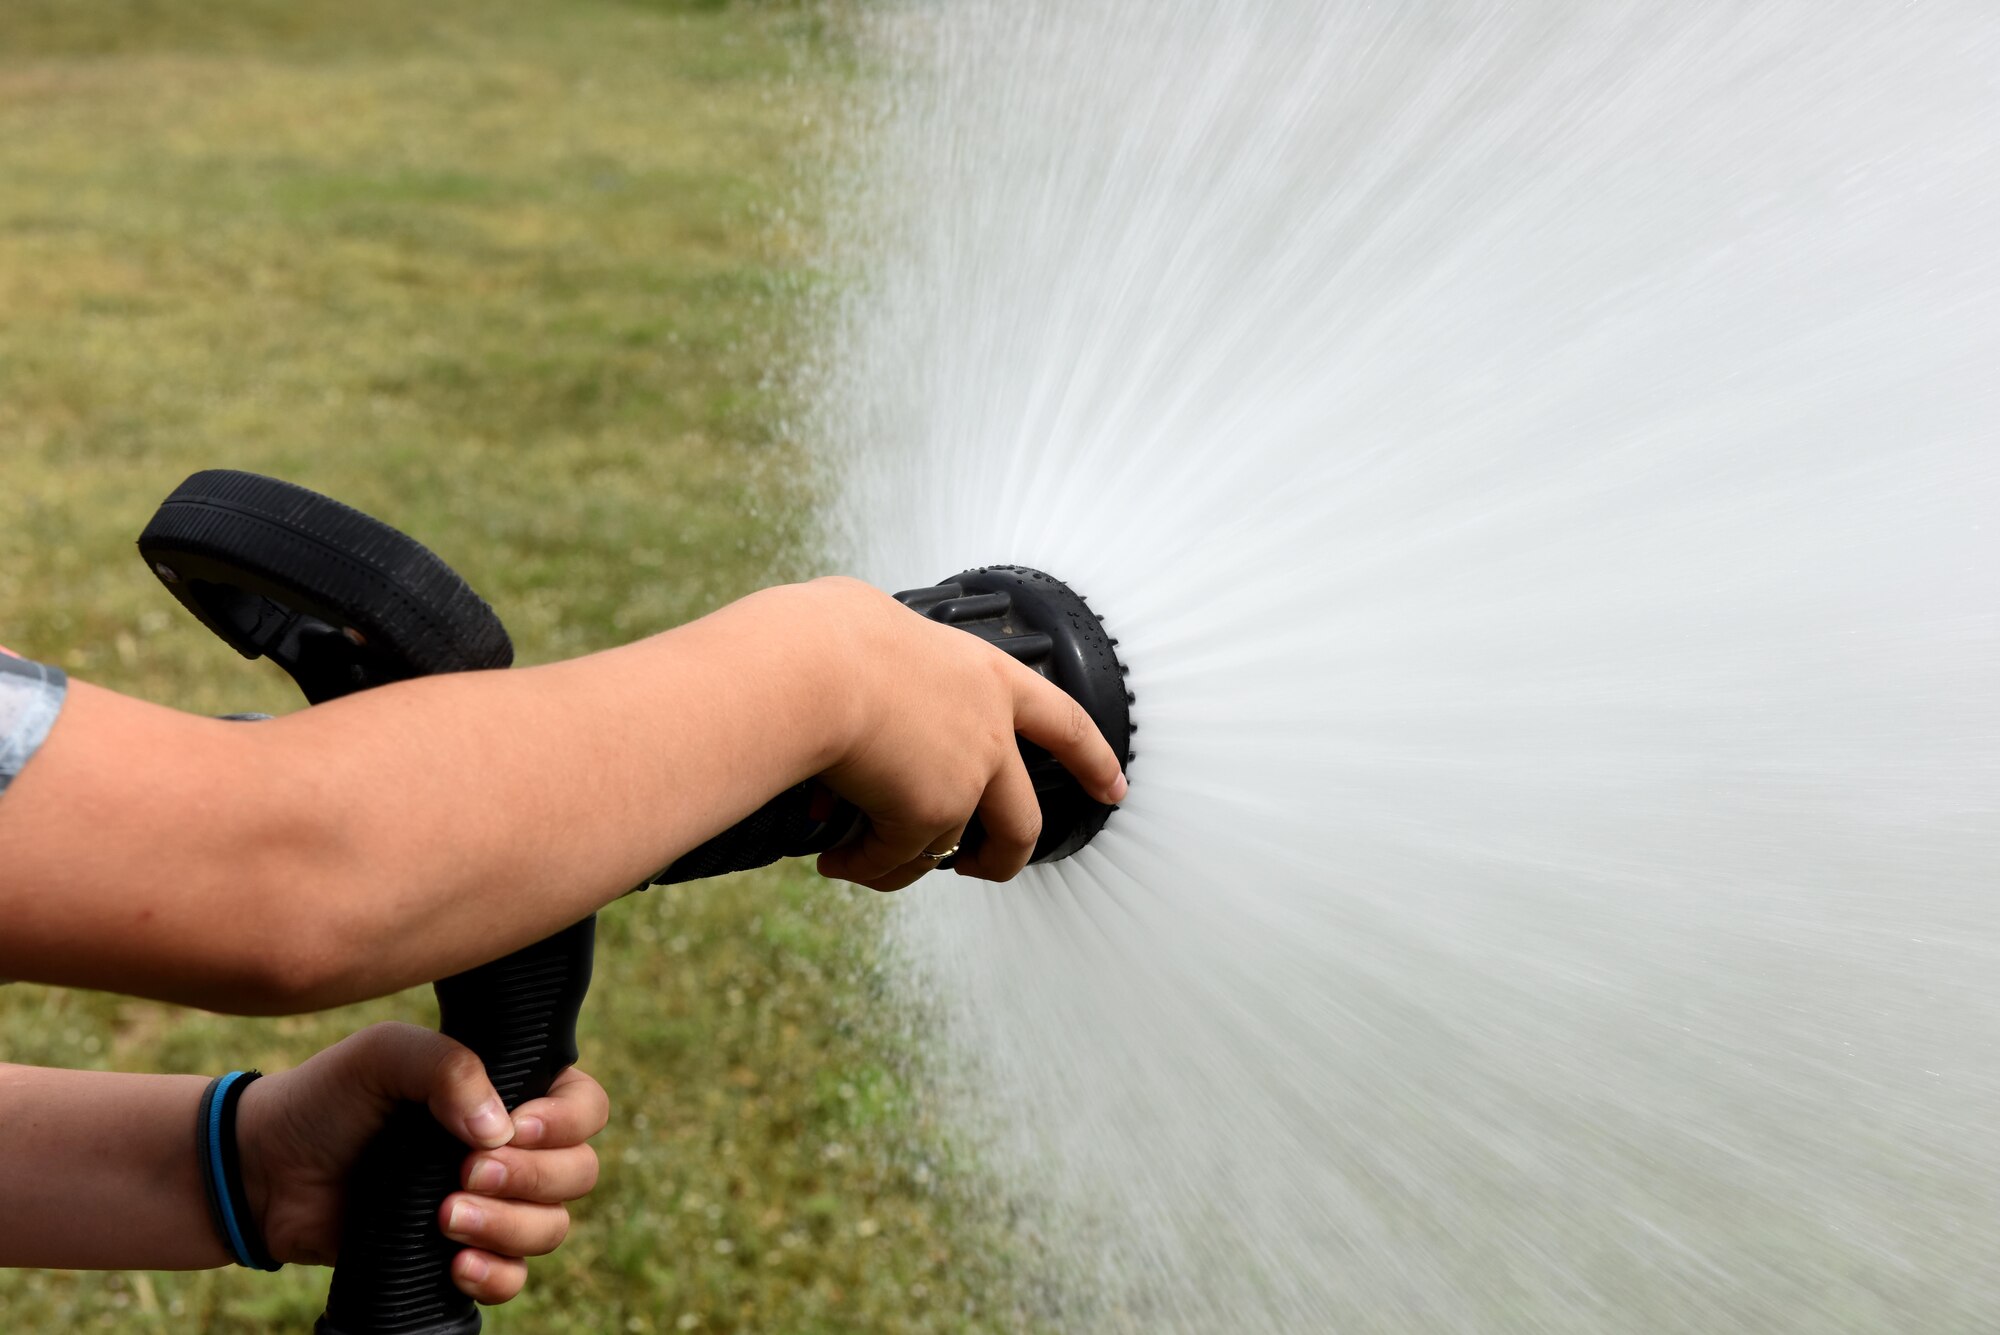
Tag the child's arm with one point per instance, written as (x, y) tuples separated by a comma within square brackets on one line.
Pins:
[(101, 1173), (409, 832)]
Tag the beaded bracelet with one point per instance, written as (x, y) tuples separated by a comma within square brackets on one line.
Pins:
[(222, 1171)]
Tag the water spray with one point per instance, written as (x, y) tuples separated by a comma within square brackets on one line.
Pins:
[(343, 603), (1543, 460)]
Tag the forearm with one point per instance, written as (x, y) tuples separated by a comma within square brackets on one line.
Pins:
[(399, 835), (100, 1172), (491, 810)]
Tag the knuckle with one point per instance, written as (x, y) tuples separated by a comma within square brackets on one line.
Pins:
[(1029, 830), (1006, 863), (1017, 825), (879, 861), (458, 1066), (599, 1103), (391, 1037), (503, 1283), (865, 876), (558, 1229), (524, 1172)]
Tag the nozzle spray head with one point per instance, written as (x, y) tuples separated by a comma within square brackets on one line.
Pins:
[(1044, 623)]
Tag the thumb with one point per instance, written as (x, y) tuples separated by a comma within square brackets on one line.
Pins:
[(419, 1065)]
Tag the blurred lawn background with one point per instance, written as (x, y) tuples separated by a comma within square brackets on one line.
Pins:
[(522, 278)]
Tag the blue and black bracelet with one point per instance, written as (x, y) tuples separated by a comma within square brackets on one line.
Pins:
[(222, 1171)]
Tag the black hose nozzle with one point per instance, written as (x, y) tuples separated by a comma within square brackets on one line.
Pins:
[(343, 603)]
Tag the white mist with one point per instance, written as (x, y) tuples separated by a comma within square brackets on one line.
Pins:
[(1543, 463)]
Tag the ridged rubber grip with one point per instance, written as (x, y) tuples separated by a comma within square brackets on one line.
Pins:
[(519, 1014)]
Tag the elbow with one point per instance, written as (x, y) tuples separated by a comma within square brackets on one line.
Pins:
[(296, 957), (310, 933), (344, 909), (312, 965)]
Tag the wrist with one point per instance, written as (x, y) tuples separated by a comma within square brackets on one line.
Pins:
[(219, 1153), (820, 641), (845, 658), (253, 1144)]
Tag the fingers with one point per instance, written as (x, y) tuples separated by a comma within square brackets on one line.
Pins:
[(882, 849), (423, 1066), (918, 866), (934, 761), (487, 1278), (575, 1109), (508, 1228), (548, 1177), (513, 1203), (1046, 715), (548, 1161), (1011, 818), (463, 1099)]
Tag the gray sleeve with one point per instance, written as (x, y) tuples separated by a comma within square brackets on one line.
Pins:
[(31, 695)]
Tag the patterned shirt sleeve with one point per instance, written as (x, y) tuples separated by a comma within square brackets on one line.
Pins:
[(31, 695)]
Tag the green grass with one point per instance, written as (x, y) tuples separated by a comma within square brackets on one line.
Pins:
[(521, 278)]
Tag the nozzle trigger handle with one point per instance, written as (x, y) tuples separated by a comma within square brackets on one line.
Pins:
[(519, 1014), (343, 602)]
